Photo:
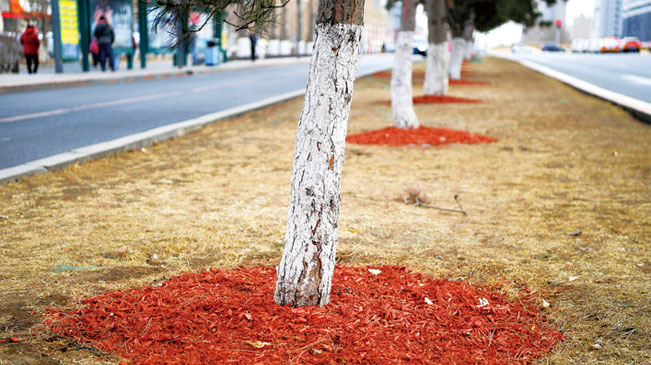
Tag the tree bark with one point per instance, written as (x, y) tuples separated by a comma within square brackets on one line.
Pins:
[(402, 104), (468, 31), (438, 56), (456, 58), (283, 23), (308, 260)]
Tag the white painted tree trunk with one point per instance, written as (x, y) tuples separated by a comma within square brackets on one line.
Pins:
[(307, 265), (470, 50), (402, 104), (436, 73), (456, 58)]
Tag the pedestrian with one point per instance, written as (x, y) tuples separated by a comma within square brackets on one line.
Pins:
[(253, 37), (105, 37), (29, 40)]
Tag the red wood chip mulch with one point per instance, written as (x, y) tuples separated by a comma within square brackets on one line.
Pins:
[(421, 75), (379, 315), (428, 136), (466, 82), (442, 99)]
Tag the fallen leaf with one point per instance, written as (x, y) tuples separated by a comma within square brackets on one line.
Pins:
[(428, 301), (572, 278), (575, 233), (545, 303), (258, 344), (14, 339), (596, 346), (375, 271)]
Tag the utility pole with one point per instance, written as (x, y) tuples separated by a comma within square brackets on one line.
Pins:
[(559, 24), (144, 33), (56, 35), (298, 35), (83, 9)]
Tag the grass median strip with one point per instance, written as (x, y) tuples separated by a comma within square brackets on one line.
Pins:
[(564, 162)]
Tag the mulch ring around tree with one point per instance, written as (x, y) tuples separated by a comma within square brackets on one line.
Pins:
[(466, 82), (421, 136), (378, 315), (421, 75), (442, 99), (437, 99)]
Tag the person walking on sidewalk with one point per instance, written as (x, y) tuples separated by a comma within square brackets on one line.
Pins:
[(253, 37), (30, 43), (105, 37)]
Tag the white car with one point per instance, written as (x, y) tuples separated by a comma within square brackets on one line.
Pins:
[(580, 45), (610, 44), (522, 48), (594, 45)]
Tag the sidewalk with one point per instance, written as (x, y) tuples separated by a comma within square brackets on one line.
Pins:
[(72, 76)]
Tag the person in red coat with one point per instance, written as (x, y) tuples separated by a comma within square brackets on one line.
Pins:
[(30, 43)]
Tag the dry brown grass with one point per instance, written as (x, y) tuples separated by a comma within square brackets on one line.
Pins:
[(565, 162)]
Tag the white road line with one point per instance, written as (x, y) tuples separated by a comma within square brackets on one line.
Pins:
[(637, 79), (136, 99), (34, 115), (127, 101)]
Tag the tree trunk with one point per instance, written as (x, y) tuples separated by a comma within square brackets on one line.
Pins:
[(456, 58), (310, 34), (438, 56), (308, 260), (401, 95), (467, 36), (436, 73), (283, 23)]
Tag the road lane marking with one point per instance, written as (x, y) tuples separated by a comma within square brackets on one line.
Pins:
[(136, 99), (127, 101), (637, 79), (34, 115)]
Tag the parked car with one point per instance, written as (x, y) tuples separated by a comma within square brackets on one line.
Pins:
[(420, 46), (522, 48), (580, 45), (552, 47), (610, 44), (594, 45), (631, 44)]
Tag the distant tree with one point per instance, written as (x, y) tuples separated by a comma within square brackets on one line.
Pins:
[(438, 55), (465, 16), (402, 105)]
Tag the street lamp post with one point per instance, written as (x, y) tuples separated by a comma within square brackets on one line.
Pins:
[(56, 35), (299, 29)]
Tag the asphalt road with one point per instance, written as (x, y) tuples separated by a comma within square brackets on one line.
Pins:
[(625, 73), (39, 124)]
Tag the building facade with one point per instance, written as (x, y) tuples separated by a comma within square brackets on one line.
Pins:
[(607, 18), (581, 27), (545, 29), (636, 20)]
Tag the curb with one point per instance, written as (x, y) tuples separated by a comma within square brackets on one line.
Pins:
[(143, 139), (137, 75), (638, 108)]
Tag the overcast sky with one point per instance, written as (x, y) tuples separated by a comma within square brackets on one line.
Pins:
[(576, 8)]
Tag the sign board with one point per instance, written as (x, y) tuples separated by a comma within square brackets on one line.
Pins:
[(69, 30), (119, 14), (160, 38)]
